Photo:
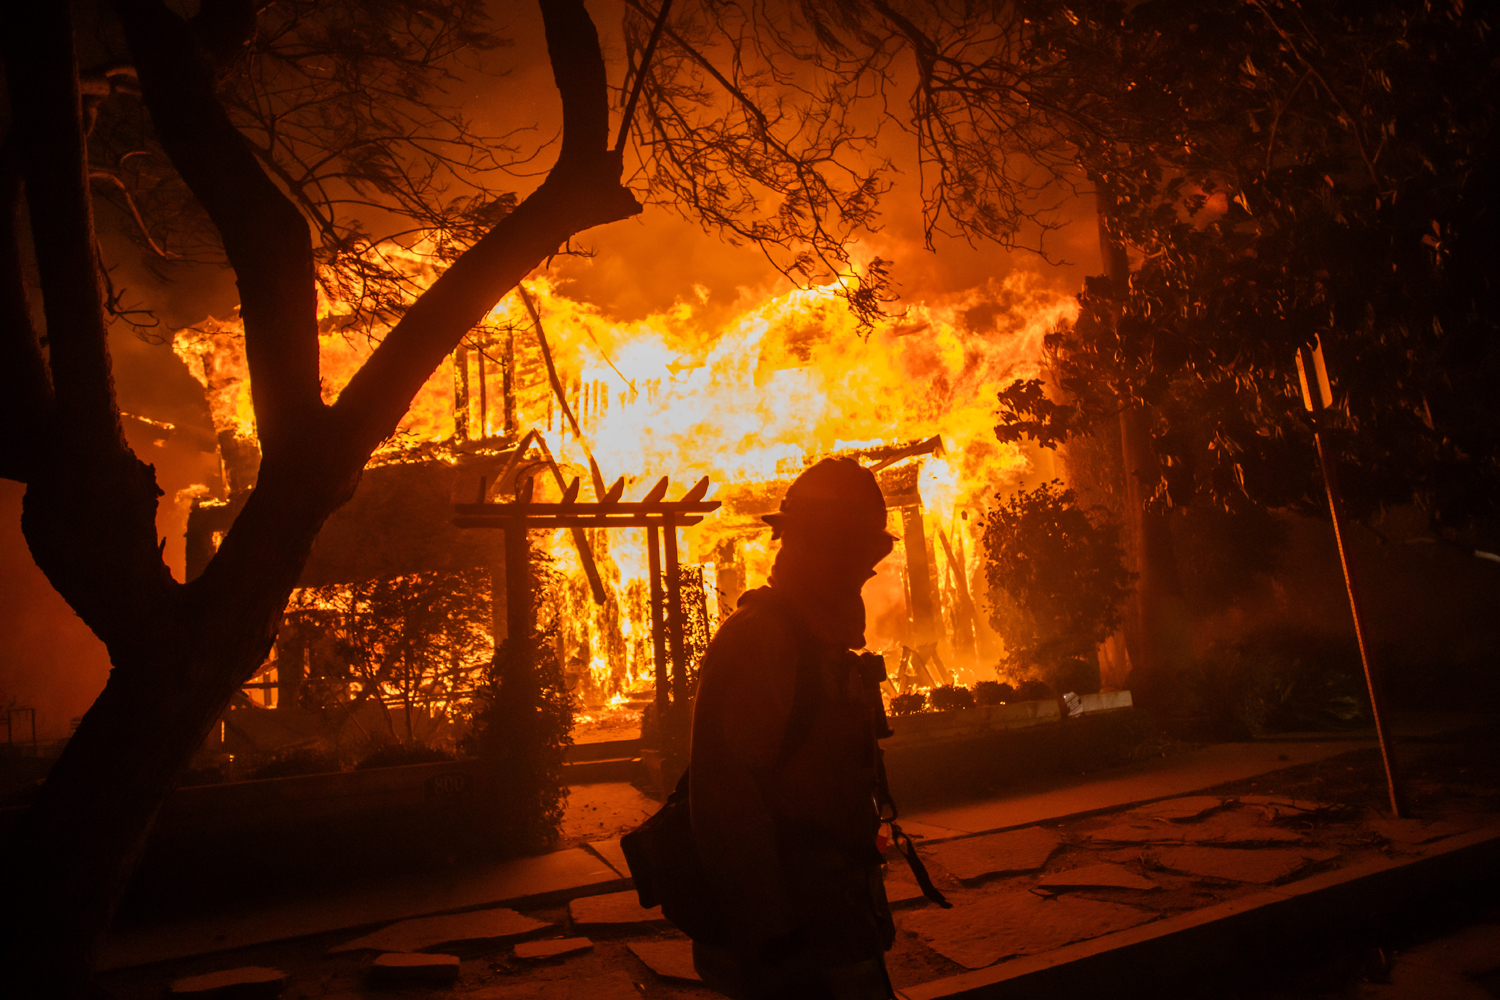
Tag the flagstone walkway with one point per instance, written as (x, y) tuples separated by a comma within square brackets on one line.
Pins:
[(1030, 874)]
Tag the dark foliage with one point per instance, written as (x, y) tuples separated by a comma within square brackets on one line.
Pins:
[(949, 698), (1056, 578), (416, 641), (297, 760), (523, 721), (1280, 173), (993, 693), (1034, 690), (908, 703), (399, 754), (1281, 679)]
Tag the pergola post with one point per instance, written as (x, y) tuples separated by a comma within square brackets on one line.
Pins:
[(658, 632), (515, 518), (675, 624), (518, 623)]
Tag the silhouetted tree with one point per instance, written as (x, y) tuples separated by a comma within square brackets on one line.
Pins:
[(179, 651), (1057, 581)]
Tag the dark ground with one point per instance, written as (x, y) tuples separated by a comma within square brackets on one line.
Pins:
[(1453, 778)]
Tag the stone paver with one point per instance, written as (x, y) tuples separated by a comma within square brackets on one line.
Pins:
[(246, 981), (984, 930), (926, 831), (1242, 827), (1137, 831), (900, 886), (1148, 781), (1185, 809), (617, 909), (569, 871), (613, 986), (671, 958), (1096, 877), (1012, 852), (553, 948), (406, 969), (426, 932), (1238, 864)]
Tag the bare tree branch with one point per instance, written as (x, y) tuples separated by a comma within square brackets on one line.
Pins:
[(265, 237), (25, 389), (582, 190), (42, 75)]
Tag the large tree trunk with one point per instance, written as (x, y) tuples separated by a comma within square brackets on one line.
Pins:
[(180, 651), (1156, 629)]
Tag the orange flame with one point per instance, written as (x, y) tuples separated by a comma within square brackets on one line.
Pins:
[(751, 402)]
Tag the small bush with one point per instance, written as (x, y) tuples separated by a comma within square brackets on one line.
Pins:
[(297, 760), (950, 697), (993, 693), (1280, 679), (397, 754), (908, 703), (1035, 690)]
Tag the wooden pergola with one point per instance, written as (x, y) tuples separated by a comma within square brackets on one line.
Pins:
[(660, 517)]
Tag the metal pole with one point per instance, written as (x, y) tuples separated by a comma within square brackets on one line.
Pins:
[(1317, 396), (658, 638), (1335, 503)]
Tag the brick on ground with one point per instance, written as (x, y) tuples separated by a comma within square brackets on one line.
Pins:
[(399, 968), (986, 929), (670, 958), (553, 948), (248, 981), (615, 909), (1235, 864), (1012, 852), (499, 924)]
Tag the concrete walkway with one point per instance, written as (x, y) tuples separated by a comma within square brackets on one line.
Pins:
[(598, 868)]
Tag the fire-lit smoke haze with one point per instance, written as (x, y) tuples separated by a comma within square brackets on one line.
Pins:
[(736, 374)]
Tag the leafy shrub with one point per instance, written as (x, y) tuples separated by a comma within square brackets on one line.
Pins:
[(1035, 690), (1280, 680), (523, 720), (397, 754), (908, 703), (1056, 576), (297, 760), (950, 697), (993, 693)]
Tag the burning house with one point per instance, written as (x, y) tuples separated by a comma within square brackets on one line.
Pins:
[(550, 402)]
